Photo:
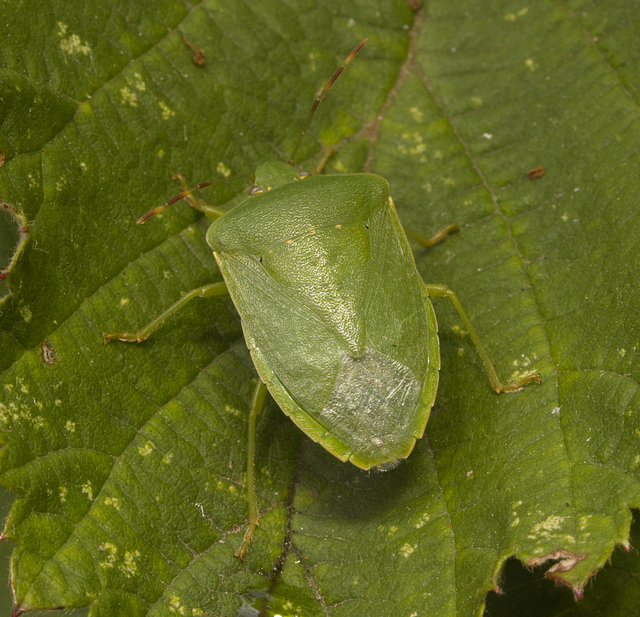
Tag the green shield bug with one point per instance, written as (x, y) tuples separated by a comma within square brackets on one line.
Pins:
[(338, 321)]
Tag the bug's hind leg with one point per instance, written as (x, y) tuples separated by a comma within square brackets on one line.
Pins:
[(257, 402)]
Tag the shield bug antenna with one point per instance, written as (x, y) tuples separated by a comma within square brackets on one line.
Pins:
[(214, 212), (321, 96)]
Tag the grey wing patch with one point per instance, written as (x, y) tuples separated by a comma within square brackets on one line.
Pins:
[(368, 408)]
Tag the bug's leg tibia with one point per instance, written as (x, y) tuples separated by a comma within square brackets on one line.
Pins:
[(441, 291), (215, 289), (257, 402), (429, 242)]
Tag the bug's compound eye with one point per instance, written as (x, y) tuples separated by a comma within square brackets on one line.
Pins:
[(255, 189), (303, 174)]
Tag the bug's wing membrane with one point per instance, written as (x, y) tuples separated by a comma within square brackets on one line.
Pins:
[(381, 401)]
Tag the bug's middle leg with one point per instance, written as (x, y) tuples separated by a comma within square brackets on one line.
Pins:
[(437, 237)]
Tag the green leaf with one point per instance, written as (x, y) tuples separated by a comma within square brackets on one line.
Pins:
[(129, 460)]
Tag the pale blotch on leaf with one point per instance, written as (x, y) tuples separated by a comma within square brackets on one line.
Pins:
[(83, 166), (58, 402), (72, 45), (312, 60), (232, 410), (392, 531), (167, 459), (130, 568), (146, 449), (112, 501), (416, 114), (26, 313), (70, 426), (223, 169), (514, 16), (532, 65), (476, 100), (124, 301), (175, 605), (584, 521), (459, 330), (407, 549), (128, 96), (139, 83), (160, 153), (111, 555), (622, 352), (449, 181), (63, 493), (545, 528), (424, 519), (166, 111), (87, 489)]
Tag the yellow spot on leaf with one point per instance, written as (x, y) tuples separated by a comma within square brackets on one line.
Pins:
[(72, 45), (166, 111), (407, 549), (112, 501), (87, 489), (128, 96), (416, 114), (139, 83), (130, 567), (146, 449), (223, 169), (26, 313)]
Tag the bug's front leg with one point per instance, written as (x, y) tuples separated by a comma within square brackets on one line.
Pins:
[(214, 289)]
